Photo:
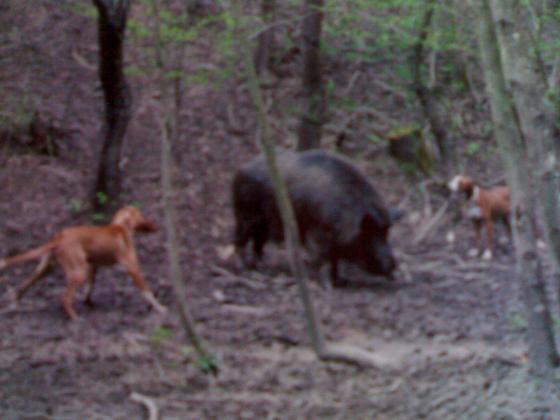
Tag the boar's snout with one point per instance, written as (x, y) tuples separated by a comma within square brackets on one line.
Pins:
[(384, 263), (388, 267)]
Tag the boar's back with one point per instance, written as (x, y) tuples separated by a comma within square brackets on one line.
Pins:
[(326, 190)]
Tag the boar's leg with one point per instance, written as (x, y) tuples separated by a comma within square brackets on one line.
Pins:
[(317, 243), (335, 280), (245, 231), (242, 236), (260, 237)]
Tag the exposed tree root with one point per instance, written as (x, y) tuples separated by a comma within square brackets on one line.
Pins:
[(153, 412)]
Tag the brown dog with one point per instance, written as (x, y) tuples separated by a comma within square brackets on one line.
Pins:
[(81, 249), (487, 205)]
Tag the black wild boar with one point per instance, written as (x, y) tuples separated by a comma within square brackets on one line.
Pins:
[(339, 213)]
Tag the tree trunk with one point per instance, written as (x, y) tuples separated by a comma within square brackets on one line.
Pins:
[(542, 351), (202, 8), (426, 96), (285, 208), (266, 37), (169, 121), (206, 359), (313, 94), (325, 351), (528, 84), (111, 27)]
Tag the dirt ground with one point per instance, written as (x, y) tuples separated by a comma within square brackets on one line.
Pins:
[(447, 335)]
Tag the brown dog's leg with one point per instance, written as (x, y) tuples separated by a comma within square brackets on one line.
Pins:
[(489, 239), (147, 294), (477, 226), (68, 297), (133, 269), (91, 283), (74, 278), (507, 224), (35, 277)]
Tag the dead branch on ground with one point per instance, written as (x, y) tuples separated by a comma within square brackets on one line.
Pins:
[(222, 272), (431, 224), (153, 412)]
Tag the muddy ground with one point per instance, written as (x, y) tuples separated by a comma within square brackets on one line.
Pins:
[(447, 335)]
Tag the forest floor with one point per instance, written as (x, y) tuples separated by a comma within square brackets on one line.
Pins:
[(448, 335)]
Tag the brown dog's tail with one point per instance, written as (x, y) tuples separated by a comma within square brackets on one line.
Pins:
[(32, 254)]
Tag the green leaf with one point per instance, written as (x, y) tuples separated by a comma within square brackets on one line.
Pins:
[(102, 197), (161, 334), (75, 204), (473, 148)]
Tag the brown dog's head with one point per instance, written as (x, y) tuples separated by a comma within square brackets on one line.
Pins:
[(462, 183), (132, 219)]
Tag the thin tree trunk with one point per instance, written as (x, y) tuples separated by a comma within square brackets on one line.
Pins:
[(285, 207), (542, 351), (175, 272), (313, 95), (266, 37), (426, 95), (325, 351), (530, 89), (169, 121), (112, 25)]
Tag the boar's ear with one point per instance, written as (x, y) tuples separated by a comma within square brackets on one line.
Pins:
[(373, 220), (396, 214)]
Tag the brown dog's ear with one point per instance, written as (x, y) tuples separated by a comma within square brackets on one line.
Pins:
[(146, 226), (132, 219), (468, 189), (123, 217), (461, 183)]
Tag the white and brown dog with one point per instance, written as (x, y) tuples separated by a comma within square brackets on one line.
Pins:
[(485, 206)]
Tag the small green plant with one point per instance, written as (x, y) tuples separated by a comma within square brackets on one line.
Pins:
[(99, 217), (347, 104), (375, 139), (85, 10), (134, 71), (473, 148), (137, 30), (75, 205), (161, 334), (22, 109), (456, 118), (330, 88), (408, 168), (187, 351), (487, 129), (518, 322), (207, 364), (102, 197)]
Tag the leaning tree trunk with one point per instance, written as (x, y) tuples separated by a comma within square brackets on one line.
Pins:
[(111, 25), (542, 352), (313, 96), (325, 351), (528, 83), (426, 96), (284, 206)]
